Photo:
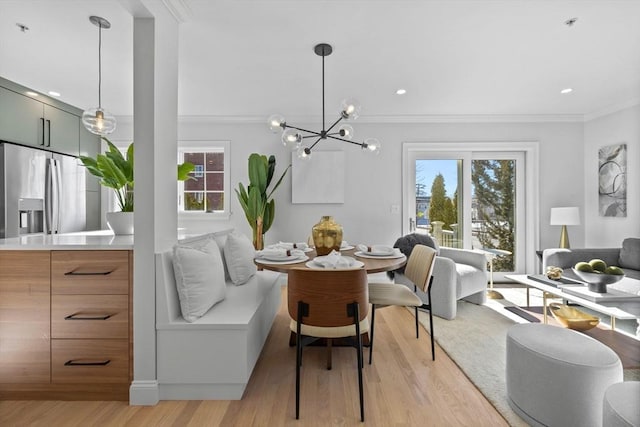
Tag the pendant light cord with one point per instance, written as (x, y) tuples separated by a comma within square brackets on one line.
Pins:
[(323, 120), (99, 65)]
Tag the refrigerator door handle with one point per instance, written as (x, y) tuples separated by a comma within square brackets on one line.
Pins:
[(48, 196), (57, 179)]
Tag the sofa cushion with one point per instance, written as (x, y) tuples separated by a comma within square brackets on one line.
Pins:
[(630, 254), (199, 275), (239, 254), (469, 280)]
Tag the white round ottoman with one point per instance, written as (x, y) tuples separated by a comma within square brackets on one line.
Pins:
[(622, 405), (558, 377)]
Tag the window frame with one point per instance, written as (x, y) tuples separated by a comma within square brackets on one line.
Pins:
[(206, 146)]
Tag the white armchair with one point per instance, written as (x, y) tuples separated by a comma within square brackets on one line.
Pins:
[(457, 274)]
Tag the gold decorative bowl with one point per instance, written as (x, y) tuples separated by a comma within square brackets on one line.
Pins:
[(573, 318)]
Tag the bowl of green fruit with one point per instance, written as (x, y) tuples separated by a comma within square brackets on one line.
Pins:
[(597, 274)]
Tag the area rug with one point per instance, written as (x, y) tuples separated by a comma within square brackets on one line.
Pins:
[(476, 341)]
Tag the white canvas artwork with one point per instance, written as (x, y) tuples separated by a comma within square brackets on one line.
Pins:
[(319, 179)]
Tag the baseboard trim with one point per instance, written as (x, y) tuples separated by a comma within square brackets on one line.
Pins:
[(144, 393), (202, 391)]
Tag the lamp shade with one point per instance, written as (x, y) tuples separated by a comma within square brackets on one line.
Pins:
[(565, 216)]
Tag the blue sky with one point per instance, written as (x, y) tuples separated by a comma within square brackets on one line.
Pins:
[(426, 171)]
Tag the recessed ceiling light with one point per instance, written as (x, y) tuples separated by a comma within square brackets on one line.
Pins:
[(401, 91), (52, 93), (30, 93), (567, 90)]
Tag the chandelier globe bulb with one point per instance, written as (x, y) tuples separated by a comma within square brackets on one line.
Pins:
[(275, 122), (346, 131), (372, 146), (303, 153), (350, 109), (291, 138)]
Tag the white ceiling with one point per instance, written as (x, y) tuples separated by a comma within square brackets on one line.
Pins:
[(249, 58)]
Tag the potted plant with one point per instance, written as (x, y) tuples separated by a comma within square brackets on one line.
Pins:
[(256, 201), (116, 172)]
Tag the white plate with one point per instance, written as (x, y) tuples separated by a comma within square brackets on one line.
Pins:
[(369, 255), (347, 248), (354, 266), (291, 260), (381, 252)]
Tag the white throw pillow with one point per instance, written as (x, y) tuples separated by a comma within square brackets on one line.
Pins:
[(239, 254), (199, 273)]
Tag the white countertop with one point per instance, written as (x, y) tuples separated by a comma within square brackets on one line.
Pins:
[(85, 240)]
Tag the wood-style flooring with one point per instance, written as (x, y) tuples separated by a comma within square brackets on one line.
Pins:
[(403, 387)]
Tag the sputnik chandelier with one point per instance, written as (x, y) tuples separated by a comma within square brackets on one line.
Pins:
[(293, 136)]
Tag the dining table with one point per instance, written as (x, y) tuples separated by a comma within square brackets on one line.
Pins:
[(372, 264)]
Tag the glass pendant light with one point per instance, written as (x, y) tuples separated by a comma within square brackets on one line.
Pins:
[(97, 120)]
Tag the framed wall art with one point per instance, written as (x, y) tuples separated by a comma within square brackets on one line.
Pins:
[(612, 180)]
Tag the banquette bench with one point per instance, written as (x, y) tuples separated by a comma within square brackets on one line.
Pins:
[(212, 357)]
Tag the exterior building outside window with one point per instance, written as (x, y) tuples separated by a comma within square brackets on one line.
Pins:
[(208, 191)]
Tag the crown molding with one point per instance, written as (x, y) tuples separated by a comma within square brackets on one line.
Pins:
[(180, 9), (612, 109), (417, 119)]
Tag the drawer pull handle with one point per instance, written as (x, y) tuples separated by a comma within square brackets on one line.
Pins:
[(80, 363), (87, 273), (79, 316)]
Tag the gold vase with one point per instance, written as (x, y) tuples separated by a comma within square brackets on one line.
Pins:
[(327, 235)]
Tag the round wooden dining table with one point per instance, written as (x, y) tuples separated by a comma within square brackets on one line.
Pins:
[(371, 265)]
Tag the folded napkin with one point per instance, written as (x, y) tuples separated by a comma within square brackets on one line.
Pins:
[(377, 249), (334, 260), (274, 253), (288, 245), (344, 244)]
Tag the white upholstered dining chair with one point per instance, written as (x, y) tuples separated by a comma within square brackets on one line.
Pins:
[(418, 270)]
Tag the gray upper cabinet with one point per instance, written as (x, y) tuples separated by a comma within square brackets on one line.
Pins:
[(50, 125), (62, 131), (21, 119)]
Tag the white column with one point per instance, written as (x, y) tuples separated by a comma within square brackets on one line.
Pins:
[(155, 102)]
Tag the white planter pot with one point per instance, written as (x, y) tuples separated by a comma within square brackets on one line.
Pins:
[(120, 222)]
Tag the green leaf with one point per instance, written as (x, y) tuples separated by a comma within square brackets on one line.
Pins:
[(258, 171), (271, 169), (184, 170), (269, 215)]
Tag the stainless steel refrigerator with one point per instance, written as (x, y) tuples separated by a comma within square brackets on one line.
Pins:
[(40, 192)]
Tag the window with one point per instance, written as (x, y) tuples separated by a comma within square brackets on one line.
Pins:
[(208, 190)]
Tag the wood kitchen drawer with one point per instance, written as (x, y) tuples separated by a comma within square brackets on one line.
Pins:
[(89, 272), (89, 316), (89, 361)]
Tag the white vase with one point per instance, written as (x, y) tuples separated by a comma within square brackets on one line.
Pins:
[(120, 222)]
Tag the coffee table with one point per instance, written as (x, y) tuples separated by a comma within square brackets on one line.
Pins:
[(616, 307)]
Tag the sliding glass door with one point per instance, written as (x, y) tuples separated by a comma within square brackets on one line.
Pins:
[(469, 198)]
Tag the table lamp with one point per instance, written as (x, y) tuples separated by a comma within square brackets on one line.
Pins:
[(564, 217)]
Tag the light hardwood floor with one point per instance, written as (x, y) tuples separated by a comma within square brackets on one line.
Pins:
[(403, 387)]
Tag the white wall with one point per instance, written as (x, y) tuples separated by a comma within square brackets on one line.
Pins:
[(374, 183), (616, 128)]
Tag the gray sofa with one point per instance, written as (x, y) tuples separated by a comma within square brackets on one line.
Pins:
[(626, 257)]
